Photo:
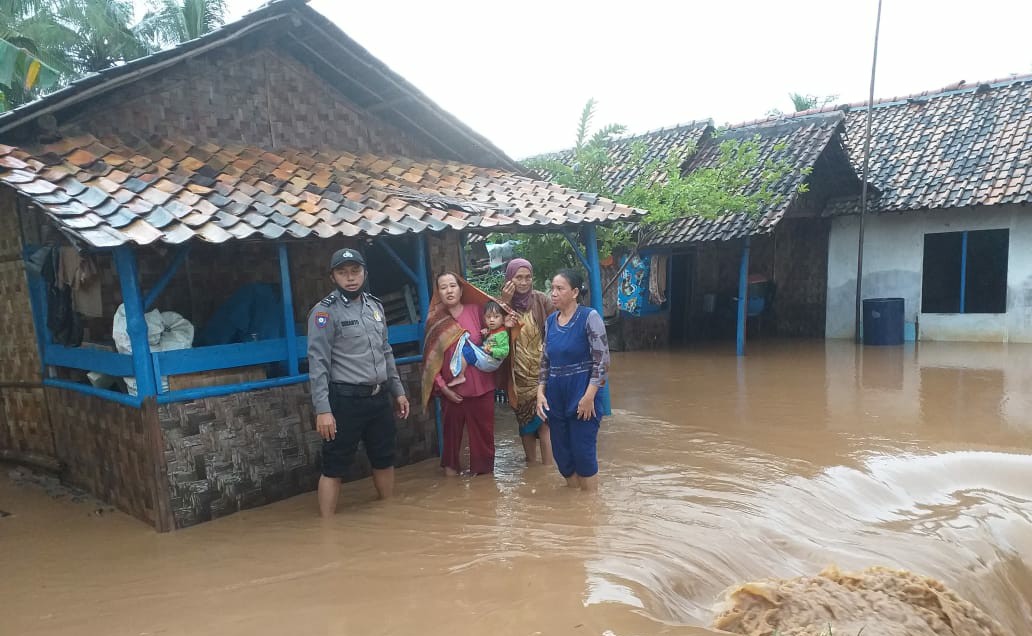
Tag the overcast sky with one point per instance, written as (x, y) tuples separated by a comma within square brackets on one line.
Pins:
[(519, 72)]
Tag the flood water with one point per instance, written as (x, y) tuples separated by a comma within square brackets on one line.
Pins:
[(715, 472)]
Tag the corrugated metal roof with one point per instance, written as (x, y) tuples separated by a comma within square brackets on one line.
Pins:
[(116, 191)]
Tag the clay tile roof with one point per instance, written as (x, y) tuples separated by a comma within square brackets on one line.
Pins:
[(799, 142), (334, 193), (656, 145), (962, 146)]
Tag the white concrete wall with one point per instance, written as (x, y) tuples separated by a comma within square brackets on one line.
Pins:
[(893, 255)]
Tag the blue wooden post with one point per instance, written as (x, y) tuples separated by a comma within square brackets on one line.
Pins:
[(462, 254), (289, 331), (423, 289), (159, 286), (743, 300), (595, 289), (136, 325), (422, 285), (963, 271)]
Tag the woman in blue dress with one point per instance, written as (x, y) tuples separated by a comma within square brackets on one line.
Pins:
[(574, 366)]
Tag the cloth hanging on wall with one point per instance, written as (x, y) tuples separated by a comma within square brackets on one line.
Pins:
[(79, 273), (631, 295), (657, 279)]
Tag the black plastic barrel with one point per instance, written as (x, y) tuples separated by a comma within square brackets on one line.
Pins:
[(883, 321)]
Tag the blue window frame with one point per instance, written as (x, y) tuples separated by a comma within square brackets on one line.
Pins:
[(965, 272)]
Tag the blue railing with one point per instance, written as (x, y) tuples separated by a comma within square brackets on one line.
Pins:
[(150, 368)]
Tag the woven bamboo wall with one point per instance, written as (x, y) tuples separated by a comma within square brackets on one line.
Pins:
[(112, 451), (19, 353), (234, 452), (445, 253), (24, 423), (250, 92), (10, 233)]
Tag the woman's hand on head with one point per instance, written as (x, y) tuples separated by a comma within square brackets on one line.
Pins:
[(508, 289)]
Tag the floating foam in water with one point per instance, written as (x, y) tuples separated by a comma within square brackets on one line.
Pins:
[(877, 602)]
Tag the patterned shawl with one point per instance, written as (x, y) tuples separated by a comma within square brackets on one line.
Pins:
[(442, 331)]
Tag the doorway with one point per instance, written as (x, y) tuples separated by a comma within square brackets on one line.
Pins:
[(680, 292)]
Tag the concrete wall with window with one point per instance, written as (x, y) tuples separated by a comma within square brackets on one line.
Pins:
[(901, 260)]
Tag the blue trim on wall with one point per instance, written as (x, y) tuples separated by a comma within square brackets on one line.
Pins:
[(403, 333), (228, 389), (408, 359), (87, 389), (288, 310), (86, 359), (228, 356), (743, 292), (595, 285), (159, 286), (963, 270), (136, 325)]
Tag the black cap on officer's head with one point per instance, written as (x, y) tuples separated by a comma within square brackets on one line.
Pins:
[(346, 255)]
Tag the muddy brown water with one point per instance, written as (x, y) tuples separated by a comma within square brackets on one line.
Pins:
[(716, 472)]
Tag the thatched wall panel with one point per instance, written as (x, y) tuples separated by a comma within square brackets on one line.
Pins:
[(229, 453), (19, 353), (112, 451), (25, 421), (248, 93)]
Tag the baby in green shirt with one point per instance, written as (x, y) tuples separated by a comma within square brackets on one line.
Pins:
[(489, 356)]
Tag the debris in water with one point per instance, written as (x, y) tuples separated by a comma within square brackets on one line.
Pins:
[(877, 601), (22, 476), (4, 513)]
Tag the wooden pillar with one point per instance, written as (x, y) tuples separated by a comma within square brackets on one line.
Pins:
[(595, 289), (743, 298), (136, 325), (289, 331)]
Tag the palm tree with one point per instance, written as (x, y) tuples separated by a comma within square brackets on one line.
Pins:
[(174, 21), (104, 33), (802, 102), (29, 30)]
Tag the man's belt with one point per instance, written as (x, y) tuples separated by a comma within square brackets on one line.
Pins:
[(345, 389)]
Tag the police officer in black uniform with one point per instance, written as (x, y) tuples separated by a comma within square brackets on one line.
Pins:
[(354, 380)]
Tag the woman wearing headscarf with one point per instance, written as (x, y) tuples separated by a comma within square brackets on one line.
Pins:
[(456, 310), (532, 308)]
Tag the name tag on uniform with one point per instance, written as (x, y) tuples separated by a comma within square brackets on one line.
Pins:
[(348, 323), (376, 315)]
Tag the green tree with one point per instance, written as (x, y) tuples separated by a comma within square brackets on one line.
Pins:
[(174, 21), (741, 180), (30, 30), (802, 102), (104, 33)]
